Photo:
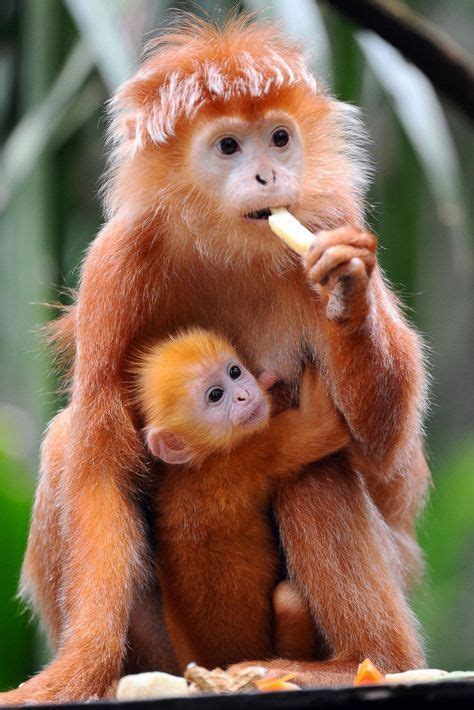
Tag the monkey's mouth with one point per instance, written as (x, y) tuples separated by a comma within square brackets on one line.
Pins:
[(259, 214), (254, 414)]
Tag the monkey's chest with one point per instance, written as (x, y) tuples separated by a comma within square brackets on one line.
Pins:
[(272, 322)]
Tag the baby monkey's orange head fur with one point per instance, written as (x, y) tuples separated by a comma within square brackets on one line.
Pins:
[(221, 124), (197, 397)]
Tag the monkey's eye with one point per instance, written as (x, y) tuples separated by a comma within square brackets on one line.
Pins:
[(228, 145), (280, 138), (234, 372), (215, 394)]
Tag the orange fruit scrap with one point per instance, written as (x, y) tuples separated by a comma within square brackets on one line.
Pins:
[(368, 674), (273, 685)]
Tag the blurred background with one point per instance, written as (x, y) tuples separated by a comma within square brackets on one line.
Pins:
[(59, 61)]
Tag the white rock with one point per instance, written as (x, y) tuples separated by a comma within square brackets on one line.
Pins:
[(151, 685)]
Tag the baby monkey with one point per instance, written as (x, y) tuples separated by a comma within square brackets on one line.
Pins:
[(219, 561)]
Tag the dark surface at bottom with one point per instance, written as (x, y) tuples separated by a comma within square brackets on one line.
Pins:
[(427, 695)]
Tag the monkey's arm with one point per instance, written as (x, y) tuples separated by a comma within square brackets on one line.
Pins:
[(299, 436), (101, 527), (373, 358)]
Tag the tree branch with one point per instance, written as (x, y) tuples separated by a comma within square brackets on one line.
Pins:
[(443, 61)]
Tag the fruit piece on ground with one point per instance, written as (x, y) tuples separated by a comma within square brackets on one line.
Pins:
[(368, 674), (272, 685)]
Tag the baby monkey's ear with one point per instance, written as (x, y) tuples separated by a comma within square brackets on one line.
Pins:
[(167, 446)]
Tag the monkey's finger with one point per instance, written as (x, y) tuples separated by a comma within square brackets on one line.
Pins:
[(267, 379), (354, 273), (334, 257), (338, 237), (312, 390), (306, 386)]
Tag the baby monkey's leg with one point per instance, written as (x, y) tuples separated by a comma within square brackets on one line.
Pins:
[(294, 632)]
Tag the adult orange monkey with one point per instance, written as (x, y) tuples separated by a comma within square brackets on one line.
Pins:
[(216, 127)]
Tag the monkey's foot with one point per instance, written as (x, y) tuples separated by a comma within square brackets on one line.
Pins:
[(308, 674), (44, 689)]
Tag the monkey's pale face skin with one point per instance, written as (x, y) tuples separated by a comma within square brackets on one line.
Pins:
[(228, 395), (249, 166)]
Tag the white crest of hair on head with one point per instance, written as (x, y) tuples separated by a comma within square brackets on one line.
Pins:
[(184, 94)]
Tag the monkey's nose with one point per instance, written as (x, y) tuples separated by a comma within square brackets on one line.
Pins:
[(243, 396), (260, 179)]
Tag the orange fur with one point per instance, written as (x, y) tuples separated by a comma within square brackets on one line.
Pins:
[(171, 257), (293, 628), (219, 561), (165, 372)]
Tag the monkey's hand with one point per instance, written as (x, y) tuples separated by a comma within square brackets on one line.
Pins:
[(314, 397), (319, 412), (267, 379), (340, 262)]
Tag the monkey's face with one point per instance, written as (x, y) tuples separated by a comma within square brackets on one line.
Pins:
[(228, 401), (246, 167)]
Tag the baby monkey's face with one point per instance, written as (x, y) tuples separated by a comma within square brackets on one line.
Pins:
[(227, 395)]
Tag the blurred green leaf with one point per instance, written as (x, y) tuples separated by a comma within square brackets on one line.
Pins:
[(102, 26), (303, 21), (32, 134), (447, 528), (422, 117), (16, 633), (447, 536)]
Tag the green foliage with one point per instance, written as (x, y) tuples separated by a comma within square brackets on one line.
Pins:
[(447, 536), (16, 636)]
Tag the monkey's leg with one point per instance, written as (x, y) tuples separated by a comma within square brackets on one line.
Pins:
[(348, 568), (217, 600), (100, 573), (293, 626), (149, 645), (341, 556)]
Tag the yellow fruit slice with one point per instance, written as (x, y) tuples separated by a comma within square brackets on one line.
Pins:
[(290, 230)]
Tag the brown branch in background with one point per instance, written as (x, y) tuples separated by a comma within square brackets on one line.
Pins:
[(449, 67)]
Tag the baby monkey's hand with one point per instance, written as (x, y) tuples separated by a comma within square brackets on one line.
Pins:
[(267, 379), (319, 411)]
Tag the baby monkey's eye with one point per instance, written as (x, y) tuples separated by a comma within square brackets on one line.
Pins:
[(215, 394), (280, 138), (228, 145), (234, 372)]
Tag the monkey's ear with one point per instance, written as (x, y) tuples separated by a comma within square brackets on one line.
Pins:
[(167, 446)]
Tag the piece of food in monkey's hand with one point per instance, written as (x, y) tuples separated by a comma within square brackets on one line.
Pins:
[(220, 682), (275, 685), (368, 674), (290, 230), (151, 685)]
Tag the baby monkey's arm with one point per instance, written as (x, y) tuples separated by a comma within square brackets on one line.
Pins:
[(299, 436)]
